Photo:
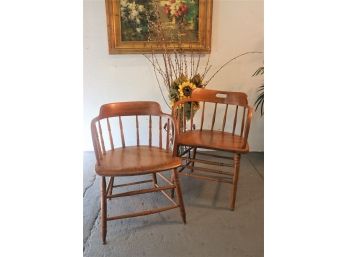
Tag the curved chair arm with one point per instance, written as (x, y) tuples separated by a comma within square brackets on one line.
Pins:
[(247, 125), (95, 139), (175, 128)]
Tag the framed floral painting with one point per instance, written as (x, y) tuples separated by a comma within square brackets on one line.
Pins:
[(143, 26)]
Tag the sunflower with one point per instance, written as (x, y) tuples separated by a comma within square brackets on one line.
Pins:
[(185, 89)]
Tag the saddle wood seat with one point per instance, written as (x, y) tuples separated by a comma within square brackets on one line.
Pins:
[(136, 160), (216, 140)]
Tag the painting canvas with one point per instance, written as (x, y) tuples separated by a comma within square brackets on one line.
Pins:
[(132, 25)]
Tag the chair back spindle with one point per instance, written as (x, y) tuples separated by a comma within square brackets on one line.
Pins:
[(150, 130), (235, 120), (242, 127), (121, 131), (168, 131), (191, 116), (137, 127), (202, 118), (224, 121), (214, 115), (160, 131), (101, 137), (110, 134), (184, 117)]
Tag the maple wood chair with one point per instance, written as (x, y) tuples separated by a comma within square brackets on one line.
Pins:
[(233, 140), (139, 159)]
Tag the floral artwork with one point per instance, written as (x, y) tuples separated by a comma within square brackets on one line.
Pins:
[(135, 16), (133, 26), (180, 18)]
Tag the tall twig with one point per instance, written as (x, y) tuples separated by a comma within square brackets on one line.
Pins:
[(206, 83)]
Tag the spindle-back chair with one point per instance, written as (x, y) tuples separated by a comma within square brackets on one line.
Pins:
[(138, 159), (192, 135)]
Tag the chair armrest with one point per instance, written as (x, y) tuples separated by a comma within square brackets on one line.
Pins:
[(247, 125), (96, 146), (172, 120)]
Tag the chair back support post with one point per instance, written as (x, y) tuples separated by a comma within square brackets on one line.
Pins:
[(101, 137), (95, 140), (247, 125)]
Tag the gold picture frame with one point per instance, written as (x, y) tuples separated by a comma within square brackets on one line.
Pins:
[(126, 25)]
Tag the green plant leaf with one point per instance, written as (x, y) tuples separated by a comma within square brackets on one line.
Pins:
[(259, 100), (261, 89), (259, 71), (262, 108)]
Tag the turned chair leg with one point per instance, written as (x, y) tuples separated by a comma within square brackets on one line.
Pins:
[(172, 179), (154, 178), (236, 165), (103, 208), (179, 195), (176, 154), (111, 187), (194, 157)]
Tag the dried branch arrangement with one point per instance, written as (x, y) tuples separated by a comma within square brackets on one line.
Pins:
[(179, 72)]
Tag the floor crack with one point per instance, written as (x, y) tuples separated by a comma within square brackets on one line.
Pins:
[(90, 232), (94, 178)]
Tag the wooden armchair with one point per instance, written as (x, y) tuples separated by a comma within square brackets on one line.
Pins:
[(192, 134), (138, 159)]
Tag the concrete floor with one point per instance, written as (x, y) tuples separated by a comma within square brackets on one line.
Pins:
[(212, 230)]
